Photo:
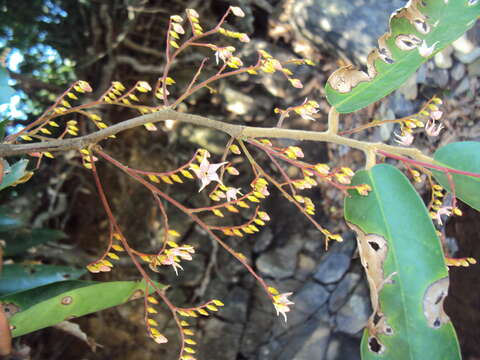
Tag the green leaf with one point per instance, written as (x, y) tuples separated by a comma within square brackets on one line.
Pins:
[(349, 89), (17, 242), (51, 304), (6, 92), (464, 156), (405, 268), (17, 277), (14, 173)]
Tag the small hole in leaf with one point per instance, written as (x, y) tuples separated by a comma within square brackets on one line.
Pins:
[(388, 330), (440, 297), (376, 319), (436, 323), (374, 245), (374, 345), (67, 300), (66, 276)]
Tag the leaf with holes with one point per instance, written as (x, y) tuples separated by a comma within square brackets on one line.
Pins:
[(405, 268), (462, 156), (18, 277), (51, 304), (417, 32)]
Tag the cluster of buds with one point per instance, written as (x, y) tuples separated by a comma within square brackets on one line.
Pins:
[(188, 342), (171, 256), (103, 264), (87, 158), (438, 208), (271, 65), (306, 110), (427, 118), (250, 227), (152, 324), (193, 18), (280, 302)]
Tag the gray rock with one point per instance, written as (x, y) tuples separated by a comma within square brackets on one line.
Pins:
[(263, 240), (237, 300), (474, 68), (463, 87), (332, 268), (340, 296), (279, 263), (439, 77), (305, 267), (344, 25), (443, 59), (342, 347), (458, 71), (306, 342), (353, 316), (469, 57), (310, 297), (400, 105), (221, 340)]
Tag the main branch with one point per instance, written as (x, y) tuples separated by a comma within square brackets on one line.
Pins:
[(236, 131)]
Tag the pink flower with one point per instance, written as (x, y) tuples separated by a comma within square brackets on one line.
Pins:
[(172, 256), (432, 129), (444, 210), (405, 138), (224, 53), (436, 115), (281, 304), (207, 172), (231, 193)]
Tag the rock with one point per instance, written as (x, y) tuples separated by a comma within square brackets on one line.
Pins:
[(237, 300), (409, 89), (463, 87), (257, 332), (458, 71), (463, 45), (332, 268), (221, 339), (353, 316), (439, 77), (310, 297), (400, 105), (474, 68), (279, 263), (342, 347), (305, 342), (350, 27), (305, 267), (443, 59), (340, 295), (237, 102), (263, 240), (469, 57)]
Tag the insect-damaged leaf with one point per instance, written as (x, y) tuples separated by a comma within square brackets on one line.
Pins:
[(51, 304), (461, 156), (405, 269), (417, 32)]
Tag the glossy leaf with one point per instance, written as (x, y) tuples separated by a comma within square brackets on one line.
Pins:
[(406, 271), (464, 156), (17, 242), (13, 173), (416, 33), (18, 277), (51, 304), (6, 92)]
